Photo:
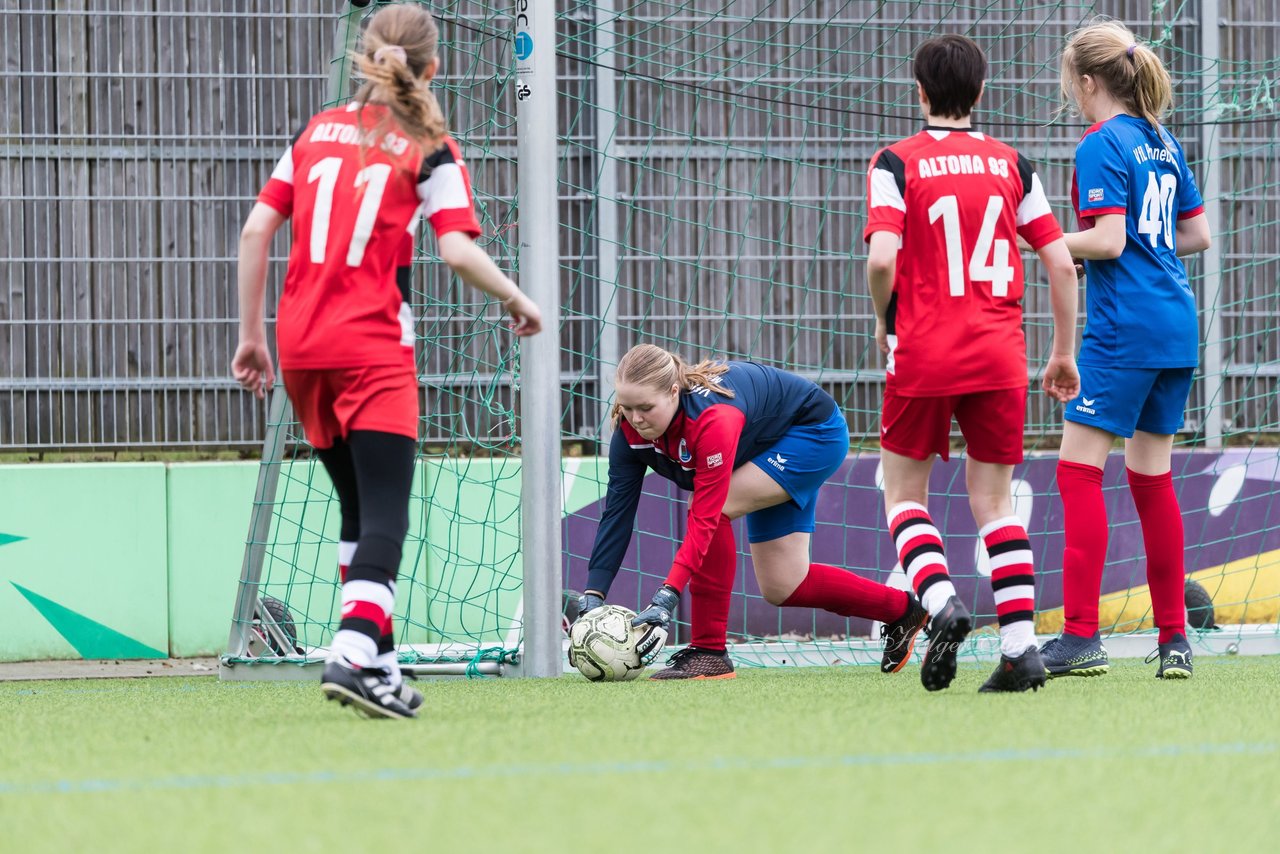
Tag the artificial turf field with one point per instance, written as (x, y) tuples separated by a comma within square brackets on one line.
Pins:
[(806, 760)]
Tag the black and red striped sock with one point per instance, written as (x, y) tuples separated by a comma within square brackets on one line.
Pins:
[(919, 546), (1012, 583)]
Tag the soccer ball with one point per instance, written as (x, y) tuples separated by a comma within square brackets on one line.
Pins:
[(602, 645)]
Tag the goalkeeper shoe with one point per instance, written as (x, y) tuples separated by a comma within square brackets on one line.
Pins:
[(947, 630), (1017, 674), (1175, 659), (694, 663), (368, 689), (900, 636), (1072, 655)]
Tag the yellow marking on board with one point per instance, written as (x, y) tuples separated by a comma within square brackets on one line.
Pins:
[(1245, 591)]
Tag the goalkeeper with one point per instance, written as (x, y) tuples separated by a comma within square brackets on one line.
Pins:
[(748, 440)]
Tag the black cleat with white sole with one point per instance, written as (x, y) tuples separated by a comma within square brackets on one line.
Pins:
[(947, 630), (368, 690)]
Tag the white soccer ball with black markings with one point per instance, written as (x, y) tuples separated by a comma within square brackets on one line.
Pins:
[(602, 645)]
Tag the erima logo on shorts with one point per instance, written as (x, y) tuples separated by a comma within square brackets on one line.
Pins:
[(779, 462), (1086, 405), (714, 460), (1095, 195)]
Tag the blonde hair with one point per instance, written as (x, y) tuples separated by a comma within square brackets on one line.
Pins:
[(398, 47), (1131, 72), (650, 365)]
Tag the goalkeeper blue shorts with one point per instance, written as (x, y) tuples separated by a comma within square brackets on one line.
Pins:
[(801, 461)]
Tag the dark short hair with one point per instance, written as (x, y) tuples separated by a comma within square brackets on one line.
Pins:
[(951, 69)]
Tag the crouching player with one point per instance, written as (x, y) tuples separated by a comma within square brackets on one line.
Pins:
[(748, 440)]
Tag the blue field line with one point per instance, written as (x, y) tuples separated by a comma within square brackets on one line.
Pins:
[(644, 766)]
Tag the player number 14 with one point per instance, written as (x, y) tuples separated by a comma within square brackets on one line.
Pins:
[(990, 259), (326, 172)]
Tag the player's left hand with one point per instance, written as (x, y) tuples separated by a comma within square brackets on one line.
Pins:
[(882, 336), (251, 366), (657, 617), (1061, 378)]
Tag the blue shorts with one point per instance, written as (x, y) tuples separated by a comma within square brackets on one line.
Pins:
[(801, 461), (1121, 400)]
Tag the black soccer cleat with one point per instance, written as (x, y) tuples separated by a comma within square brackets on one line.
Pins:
[(1175, 658), (694, 663), (1017, 674), (368, 689), (1072, 655), (900, 636), (947, 630)]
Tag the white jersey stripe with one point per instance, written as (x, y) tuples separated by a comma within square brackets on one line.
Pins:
[(884, 190), (445, 189), (1034, 204), (284, 167)]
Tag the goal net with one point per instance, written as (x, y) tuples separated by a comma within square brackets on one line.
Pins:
[(711, 175)]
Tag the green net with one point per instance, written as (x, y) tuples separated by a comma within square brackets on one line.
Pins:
[(712, 170)]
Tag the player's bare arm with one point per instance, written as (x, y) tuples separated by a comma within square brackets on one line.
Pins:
[(1193, 235), (477, 269), (251, 366), (1061, 379), (1104, 242), (882, 259)]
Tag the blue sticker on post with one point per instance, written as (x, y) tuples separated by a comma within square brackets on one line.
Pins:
[(523, 44)]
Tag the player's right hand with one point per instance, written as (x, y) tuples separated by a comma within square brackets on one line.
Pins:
[(589, 601), (251, 366), (1061, 378), (525, 315)]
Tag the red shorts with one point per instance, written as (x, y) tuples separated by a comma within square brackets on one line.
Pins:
[(991, 421), (332, 403)]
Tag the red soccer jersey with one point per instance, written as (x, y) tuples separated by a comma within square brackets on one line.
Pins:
[(957, 199), (344, 304)]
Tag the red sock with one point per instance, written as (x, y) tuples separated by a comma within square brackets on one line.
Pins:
[(1161, 519), (710, 589), (1084, 516), (842, 592)]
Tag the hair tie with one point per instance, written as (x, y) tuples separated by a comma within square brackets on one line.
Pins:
[(1131, 49), (381, 54)]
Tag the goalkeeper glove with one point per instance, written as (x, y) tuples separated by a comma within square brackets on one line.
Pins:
[(589, 601), (657, 617)]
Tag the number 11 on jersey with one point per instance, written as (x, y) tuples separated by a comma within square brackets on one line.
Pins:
[(998, 271), (326, 172)]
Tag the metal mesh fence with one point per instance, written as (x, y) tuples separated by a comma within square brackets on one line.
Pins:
[(137, 133)]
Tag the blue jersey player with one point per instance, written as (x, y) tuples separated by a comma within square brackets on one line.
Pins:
[(1139, 212), (747, 440)]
